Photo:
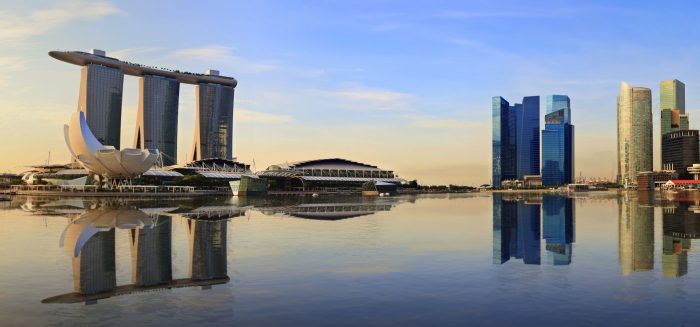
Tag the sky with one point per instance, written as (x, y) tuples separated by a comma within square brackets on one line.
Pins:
[(405, 85)]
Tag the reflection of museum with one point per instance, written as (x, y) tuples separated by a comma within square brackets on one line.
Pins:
[(89, 238), (517, 223), (90, 242)]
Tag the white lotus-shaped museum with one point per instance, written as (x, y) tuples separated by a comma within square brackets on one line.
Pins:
[(101, 159)]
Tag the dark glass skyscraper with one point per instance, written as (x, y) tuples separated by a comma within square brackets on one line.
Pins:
[(558, 142), (503, 142), (516, 139), (680, 150), (156, 122), (528, 136), (101, 99), (213, 136)]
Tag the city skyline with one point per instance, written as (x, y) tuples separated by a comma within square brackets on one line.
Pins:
[(302, 85)]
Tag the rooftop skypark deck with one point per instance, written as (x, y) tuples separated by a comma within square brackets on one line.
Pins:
[(84, 58)]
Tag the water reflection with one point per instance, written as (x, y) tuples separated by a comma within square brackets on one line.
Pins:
[(681, 223), (90, 242), (517, 221), (89, 236), (636, 228)]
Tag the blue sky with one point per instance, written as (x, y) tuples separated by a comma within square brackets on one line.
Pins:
[(402, 84)]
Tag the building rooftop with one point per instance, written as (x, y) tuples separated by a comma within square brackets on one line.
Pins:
[(99, 57)]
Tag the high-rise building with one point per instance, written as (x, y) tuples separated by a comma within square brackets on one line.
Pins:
[(672, 95), (156, 122), (100, 99), (635, 148), (558, 228), (528, 136), (558, 142), (672, 104), (503, 142), (680, 150), (516, 139), (213, 136)]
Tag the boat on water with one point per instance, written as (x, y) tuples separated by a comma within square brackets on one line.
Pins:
[(248, 185)]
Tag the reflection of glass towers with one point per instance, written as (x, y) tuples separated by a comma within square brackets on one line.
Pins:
[(680, 225), (558, 228), (558, 142), (101, 100), (94, 270), (156, 122), (207, 249), (636, 227), (213, 136), (151, 253), (635, 152), (516, 231), (516, 139)]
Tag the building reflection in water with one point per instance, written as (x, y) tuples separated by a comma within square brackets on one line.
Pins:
[(681, 223), (636, 228), (558, 228), (90, 241), (517, 223), (151, 250), (207, 248)]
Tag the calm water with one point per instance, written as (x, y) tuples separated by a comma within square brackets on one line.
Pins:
[(429, 260)]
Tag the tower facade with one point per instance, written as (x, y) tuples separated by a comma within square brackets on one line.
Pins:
[(156, 122), (558, 142), (672, 95), (503, 142), (101, 99), (680, 150), (635, 151), (213, 136), (515, 139)]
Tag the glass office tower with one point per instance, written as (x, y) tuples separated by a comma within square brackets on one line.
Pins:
[(528, 136), (558, 142), (515, 139), (214, 122), (680, 150), (558, 228), (503, 142), (672, 95), (101, 99), (635, 148), (156, 122)]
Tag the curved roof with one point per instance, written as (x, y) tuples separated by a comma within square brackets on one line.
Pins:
[(331, 163), (83, 58)]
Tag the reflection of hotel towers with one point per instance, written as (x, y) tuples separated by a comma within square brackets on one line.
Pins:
[(94, 270), (100, 97), (516, 231), (151, 253), (679, 225), (636, 232), (207, 248), (558, 228)]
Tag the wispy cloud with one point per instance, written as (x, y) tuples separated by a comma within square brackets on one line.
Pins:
[(14, 26), (223, 55), (373, 99), (249, 116), (128, 52)]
